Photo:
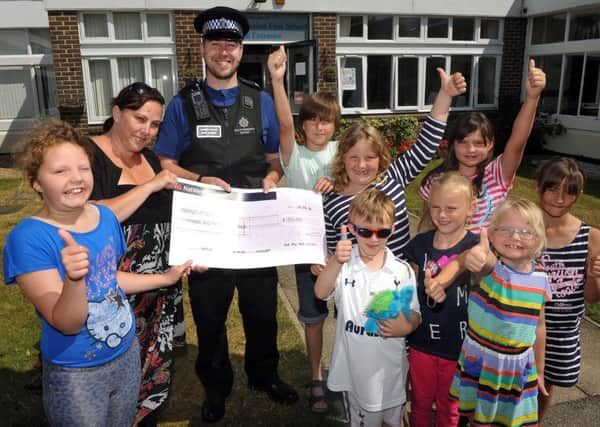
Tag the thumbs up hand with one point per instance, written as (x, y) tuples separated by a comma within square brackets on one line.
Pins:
[(343, 249), (433, 288), (536, 81), (453, 85), (74, 257), (478, 257)]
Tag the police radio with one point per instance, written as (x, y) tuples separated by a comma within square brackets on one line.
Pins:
[(199, 104)]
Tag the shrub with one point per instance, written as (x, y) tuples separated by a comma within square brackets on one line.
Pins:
[(398, 132)]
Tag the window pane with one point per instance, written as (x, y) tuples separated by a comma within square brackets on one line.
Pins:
[(548, 29), (409, 26), (130, 70), (353, 98), (462, 64), (408, 75), (591, 90), (379, 72), (380, 28), (46, 89), (127, 26), (432, 79), (486, 80), (549, 99), (490, 29), (351, 26), (13, 42), (101, 88), (94, 25), (162, 77), (39, 39), (437, 28), (571, 85), (16, 98), (158, 25), (463, 29), (585, 25)]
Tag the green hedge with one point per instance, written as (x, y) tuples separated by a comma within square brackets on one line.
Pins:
[(396, 128)]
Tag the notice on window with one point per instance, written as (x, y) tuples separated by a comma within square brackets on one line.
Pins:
[(298, 97), (246, 228), (300, 68), (348, 78)]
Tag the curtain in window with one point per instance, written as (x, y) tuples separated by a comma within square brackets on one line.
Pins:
[(45, 79), (101, 88), (94, 25), (130, 70), (16, 94), (158, 25), (162, 77), (486, 80), (127, 26)]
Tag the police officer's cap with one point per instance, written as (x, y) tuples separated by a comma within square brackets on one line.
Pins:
[(221, 23)]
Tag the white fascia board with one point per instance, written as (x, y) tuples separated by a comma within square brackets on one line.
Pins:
[(492, 8), (23, 14), (84, 5), (542, 7)]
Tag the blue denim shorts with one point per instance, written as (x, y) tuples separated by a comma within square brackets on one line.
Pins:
[(104, 395), (312, 310)]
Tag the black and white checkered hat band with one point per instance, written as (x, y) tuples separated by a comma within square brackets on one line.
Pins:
[(222, 24)]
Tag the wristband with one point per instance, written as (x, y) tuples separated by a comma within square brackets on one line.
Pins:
[(199, 179)]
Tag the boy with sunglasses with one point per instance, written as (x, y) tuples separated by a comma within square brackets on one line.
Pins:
[(370, 368)]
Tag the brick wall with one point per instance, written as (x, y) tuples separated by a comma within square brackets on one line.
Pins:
[(66, 52), (187, 46), (511, 75), (324, 31)]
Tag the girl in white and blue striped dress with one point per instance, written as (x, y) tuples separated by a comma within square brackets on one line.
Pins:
[(572, 262)]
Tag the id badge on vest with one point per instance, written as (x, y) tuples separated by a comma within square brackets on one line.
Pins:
[(208, 131)]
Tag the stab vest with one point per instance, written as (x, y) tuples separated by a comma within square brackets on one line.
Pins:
[(238, 155)]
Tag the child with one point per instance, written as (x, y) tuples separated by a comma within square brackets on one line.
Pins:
[(496, 381), (470, 151), (371, 369), (572, 262), (362, 161), (64, 259), (435, 344), (306, 163)]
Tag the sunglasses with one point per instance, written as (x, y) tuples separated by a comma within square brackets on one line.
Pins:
[(382, 233), (142, 89)]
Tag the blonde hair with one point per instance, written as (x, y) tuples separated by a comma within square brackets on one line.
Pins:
[(358, 132), (374, 206), (46, 134), (529, 211), (454, 180)]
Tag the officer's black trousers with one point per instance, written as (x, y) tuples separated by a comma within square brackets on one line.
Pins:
[(210, 295)]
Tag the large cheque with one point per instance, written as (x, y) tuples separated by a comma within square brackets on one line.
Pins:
[(246, 228)]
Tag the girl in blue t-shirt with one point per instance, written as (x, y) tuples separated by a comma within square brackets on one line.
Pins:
[(64, 258)]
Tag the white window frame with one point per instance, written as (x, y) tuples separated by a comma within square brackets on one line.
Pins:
[(564, 48), (110, 49), (420, 48), (111, 30), (23, 62)]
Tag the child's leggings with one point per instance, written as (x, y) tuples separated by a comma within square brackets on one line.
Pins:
[(104, 395), (430, 380)]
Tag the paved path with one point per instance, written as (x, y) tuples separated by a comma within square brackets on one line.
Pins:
[(574, 407)]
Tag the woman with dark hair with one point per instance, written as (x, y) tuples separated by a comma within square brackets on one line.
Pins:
[(129, 180)]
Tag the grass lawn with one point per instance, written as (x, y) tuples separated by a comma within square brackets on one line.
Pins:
[(20, 331)]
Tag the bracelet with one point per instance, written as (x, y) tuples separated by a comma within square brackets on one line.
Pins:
[(199, 179)]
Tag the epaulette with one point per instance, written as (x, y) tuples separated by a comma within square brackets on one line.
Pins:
[(250, 83)]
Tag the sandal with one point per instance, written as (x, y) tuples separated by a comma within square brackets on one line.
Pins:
[(317, 402)]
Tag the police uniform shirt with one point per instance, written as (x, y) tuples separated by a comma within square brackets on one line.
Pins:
[(174, 136)]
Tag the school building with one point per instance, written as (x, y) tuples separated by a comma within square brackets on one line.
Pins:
[(67, 58)]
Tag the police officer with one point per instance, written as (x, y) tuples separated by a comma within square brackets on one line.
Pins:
[(224, 131)]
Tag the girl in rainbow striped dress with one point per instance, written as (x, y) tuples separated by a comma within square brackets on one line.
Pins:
[(496, 382)]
